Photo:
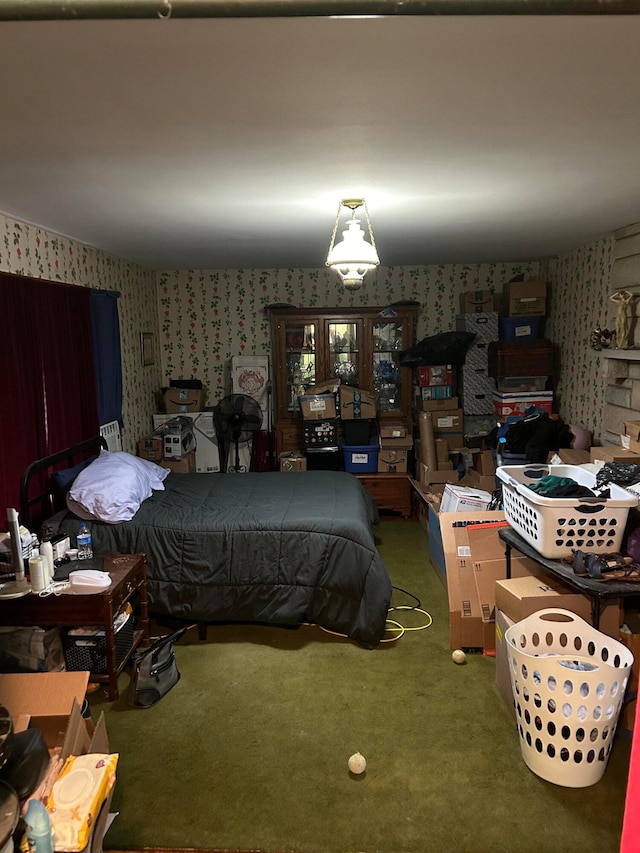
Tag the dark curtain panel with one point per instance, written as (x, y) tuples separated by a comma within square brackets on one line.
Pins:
[(106, 349), (48, 390)]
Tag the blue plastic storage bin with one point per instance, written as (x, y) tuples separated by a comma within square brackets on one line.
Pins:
[(519, 328), (361, 458)]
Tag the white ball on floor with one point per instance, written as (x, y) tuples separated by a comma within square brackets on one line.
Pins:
[(459, 656), (357, 763)]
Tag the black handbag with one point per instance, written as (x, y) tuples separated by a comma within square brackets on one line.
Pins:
[(155, 672)]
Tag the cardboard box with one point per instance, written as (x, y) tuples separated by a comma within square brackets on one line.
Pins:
[(207, 453), (437, 405), (178, 401), (448, 421), (428, 476), (186, 465), (51, 701), (487, 572), (476, 302), (567, 456), (330, 386), (291, 460), (466, 626), (356, 403), (457, 498), (436, 394), (435, 374), (628, 712), (442, 451), (503, 676), (515, 405), (391, 461), (392, 429), (612, 453), (454, 440), (483, 462), (402, 443), (484, 541), (520, 597), (526, 298), (429, 508), (318, 407), (151, 448), (478, 482), (630, 439)]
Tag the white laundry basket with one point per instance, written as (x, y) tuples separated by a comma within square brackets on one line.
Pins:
[(568, 683), (557, 526)]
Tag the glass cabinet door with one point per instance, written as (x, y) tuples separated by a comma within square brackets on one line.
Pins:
[(300, 355), (387, 374), (344, 352)]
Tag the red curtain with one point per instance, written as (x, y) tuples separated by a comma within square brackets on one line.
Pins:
[(48, 397)]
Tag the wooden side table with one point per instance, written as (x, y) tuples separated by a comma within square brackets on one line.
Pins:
[(128, 578), (389, 491)]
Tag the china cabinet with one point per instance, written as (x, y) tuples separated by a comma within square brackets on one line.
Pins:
[(359, 346)]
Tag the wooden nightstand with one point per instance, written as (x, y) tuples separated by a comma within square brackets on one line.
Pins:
[(128, 579), (389, 491)]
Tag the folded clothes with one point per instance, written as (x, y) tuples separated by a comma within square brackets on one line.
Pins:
[(551, 486)]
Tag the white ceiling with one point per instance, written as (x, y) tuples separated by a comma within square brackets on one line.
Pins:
[(223, 143)]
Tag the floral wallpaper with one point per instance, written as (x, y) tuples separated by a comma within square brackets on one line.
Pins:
[(206, 317), (29, 250), (579, 284), (203, 318)]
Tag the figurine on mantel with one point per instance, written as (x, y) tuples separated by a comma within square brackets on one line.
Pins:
[(623, 299), (602, 338)]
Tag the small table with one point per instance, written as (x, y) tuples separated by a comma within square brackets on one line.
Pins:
[(597, 590), (128, 577), (389, 491)]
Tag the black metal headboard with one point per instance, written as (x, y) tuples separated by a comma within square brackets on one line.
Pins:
[(39, 497)]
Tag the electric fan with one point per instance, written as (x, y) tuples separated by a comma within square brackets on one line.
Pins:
[(236, 418)]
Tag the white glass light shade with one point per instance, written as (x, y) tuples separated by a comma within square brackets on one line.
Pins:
[(352, 257)]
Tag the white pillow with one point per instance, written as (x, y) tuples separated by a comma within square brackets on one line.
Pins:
[(112, 488)]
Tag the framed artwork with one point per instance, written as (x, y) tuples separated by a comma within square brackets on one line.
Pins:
[(146, 345)]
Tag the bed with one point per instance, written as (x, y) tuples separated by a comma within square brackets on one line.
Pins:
[(260, 547)]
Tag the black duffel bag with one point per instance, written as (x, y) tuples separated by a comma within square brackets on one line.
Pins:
[(154, 671)]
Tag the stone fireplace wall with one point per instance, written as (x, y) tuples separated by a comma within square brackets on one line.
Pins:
[(622, 368)]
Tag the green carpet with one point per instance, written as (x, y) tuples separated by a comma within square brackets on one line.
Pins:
[(249, 751)]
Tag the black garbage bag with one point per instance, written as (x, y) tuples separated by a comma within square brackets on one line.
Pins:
[(443, 348)]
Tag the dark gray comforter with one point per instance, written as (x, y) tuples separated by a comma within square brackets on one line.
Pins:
[(268, 547)]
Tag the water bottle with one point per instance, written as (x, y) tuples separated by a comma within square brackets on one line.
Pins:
[(83, 541), (38, 828)]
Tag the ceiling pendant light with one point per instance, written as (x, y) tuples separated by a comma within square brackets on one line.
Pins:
[(352, 257)]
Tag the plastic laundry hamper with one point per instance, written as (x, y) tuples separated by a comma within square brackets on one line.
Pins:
[(568, 683), (557, 526)]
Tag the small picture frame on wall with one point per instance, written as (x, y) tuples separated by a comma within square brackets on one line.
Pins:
[(146, 346)]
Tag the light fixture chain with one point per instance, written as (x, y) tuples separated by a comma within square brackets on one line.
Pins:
[(335, 227), (366, 213)]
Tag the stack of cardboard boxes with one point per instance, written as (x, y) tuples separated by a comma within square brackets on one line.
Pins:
[(184, 437), (338, 417)]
